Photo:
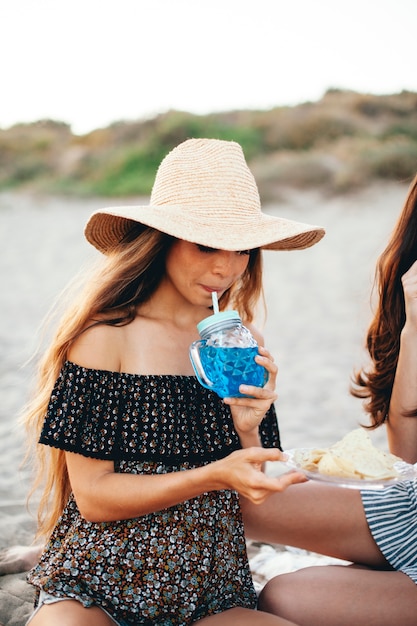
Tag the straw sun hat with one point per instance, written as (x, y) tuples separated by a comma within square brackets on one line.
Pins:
[(204, 193)]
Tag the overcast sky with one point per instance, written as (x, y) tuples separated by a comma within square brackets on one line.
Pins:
[(93, 62)]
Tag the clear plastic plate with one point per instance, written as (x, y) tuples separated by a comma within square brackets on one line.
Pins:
[(406, 472)]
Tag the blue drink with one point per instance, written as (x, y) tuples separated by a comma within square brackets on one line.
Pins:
[(224, 357), (227, 368)]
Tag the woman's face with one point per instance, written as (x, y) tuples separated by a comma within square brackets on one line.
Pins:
[(196, 271)]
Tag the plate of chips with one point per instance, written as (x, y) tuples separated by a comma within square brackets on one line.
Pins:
[(352, 462)]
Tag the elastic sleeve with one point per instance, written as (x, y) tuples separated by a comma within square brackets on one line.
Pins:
[(113, 416), (83, 412)]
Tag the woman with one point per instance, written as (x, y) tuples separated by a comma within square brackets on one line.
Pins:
[(376, 530), (143, 463)]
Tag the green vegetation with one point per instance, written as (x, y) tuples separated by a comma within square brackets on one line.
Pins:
[(340, 143)]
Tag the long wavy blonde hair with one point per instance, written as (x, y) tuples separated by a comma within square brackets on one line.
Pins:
[(109, 294)]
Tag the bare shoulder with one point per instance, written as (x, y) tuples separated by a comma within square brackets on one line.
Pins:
[(98, 347)]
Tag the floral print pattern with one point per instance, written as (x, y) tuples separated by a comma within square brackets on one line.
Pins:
[(171, 567)]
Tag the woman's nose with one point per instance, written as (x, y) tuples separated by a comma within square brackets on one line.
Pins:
[(225, 262)]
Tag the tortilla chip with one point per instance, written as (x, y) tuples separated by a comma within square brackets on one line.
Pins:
[(354, 456), (308, 459), (334, 465)]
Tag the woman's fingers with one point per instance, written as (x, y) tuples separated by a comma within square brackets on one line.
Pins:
[(242, 472)]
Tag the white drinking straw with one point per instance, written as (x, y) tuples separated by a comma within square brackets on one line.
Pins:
[(215, 301)]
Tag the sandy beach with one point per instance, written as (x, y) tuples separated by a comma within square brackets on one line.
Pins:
[(318, 309)]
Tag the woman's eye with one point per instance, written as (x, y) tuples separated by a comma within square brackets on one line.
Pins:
[(208, 250), (205, 248)]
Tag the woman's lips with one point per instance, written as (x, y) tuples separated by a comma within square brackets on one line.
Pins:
[(218, 290)]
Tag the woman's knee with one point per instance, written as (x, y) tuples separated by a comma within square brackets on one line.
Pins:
[(278, 594)]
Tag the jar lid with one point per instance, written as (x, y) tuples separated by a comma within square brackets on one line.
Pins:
[(217, 319)]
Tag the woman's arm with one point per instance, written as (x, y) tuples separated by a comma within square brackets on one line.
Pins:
[(104, 495), (402, 429)]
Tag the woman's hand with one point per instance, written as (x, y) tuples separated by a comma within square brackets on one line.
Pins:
[(248, 411), (242, 471)]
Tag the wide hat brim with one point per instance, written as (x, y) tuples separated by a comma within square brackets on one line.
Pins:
[(205, 193), (106, 228)]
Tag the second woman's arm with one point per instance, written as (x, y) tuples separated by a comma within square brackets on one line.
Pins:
[(401, 427)]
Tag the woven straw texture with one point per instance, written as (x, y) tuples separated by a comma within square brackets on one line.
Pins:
[(204, 193)]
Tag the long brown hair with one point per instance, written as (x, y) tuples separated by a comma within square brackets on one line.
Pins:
[(110, 294), (374, 384)]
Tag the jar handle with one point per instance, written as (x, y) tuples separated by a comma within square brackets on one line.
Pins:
[(198, 366)]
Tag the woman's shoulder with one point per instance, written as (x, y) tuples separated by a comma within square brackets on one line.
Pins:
[(98, 347)]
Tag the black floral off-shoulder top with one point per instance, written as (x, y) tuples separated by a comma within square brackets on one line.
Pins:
[(171, 567)]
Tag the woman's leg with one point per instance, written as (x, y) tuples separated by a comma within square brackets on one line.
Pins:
[(342, 596), (70, 613), (243, 617), (316, 517)]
